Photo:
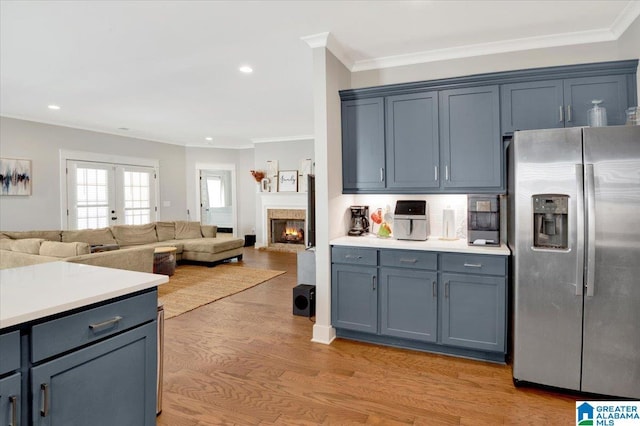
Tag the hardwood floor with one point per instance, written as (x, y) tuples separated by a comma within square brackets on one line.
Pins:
[(247, 360)]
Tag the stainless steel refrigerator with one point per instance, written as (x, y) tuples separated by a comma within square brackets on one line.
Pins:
[(574, 232)]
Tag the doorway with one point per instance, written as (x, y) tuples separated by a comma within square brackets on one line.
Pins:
[(218, 198)]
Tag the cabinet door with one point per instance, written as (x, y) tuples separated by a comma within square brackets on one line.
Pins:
[(10, 400), (354, 298), (412, 141), (409, 304), (474, 311), (363, 144), (471, 142), (109, 383), (579, 92), (532, 105)]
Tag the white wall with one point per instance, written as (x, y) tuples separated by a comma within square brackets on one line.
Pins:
[(626, 47), (41, 143), (289, 154)]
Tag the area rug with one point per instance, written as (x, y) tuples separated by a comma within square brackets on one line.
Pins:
[(193, 286)]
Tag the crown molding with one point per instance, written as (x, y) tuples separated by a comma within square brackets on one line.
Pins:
[(629, 14), (328, 41), (284, 139)]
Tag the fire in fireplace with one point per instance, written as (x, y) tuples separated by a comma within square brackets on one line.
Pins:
[(287, 231)]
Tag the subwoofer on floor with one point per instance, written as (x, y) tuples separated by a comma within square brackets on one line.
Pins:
[(304, 300)]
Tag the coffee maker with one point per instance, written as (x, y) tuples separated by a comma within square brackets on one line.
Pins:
[(359, 220), (483, 225)]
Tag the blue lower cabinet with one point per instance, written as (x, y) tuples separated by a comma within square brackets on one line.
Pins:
[(10, 399), (354, 297), (109, 383), (473, 311), (409, 304)]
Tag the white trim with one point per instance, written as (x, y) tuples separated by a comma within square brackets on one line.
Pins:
[(234, 208), (328, 41), (96, 157), (626, 17), (277, 200), (284, 139), (216, 146), (324, 334)]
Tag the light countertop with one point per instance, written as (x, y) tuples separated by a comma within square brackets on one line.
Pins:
[(33, 292), (432, 244)]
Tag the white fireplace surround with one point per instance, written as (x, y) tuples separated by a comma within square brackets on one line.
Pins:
[(276, 200)]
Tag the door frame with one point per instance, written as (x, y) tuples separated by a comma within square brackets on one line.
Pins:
[(95, 157), (234, 199)]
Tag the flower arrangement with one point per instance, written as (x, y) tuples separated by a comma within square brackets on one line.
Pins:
[(258, 175)]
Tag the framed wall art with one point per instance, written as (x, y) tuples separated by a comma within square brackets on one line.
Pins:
[(15, 176), (288, 181)]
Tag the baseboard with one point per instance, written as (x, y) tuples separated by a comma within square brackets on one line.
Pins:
[(324, 334)]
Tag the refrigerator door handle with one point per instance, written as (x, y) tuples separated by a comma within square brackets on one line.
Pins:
[(591, 228), (580, 229)]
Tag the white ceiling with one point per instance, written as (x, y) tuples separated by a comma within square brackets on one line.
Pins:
[(168, 70)]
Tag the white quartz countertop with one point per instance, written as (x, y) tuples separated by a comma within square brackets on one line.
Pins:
[(33, 292), (432, 244)]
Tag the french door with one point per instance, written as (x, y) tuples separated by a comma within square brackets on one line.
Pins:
[(105, 194)]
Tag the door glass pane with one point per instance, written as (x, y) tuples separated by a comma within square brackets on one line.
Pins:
[(92, 198), (137, 198)]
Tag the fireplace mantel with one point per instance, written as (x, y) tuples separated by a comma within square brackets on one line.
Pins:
[(276, 200)]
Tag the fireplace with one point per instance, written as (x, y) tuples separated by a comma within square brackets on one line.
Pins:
[(286, 229)]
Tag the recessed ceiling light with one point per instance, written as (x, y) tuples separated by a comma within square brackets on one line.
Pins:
[(123, 128), (53, 107), (246, 69), (209, 138)]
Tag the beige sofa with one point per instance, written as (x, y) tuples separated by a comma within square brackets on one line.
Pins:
[(193, 242)]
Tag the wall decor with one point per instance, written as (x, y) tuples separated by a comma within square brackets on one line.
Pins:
[(288, 181), (305, 170), (272, 175), (15, 176)]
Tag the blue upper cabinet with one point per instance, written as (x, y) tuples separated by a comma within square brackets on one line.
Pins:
[(412, 141), (579, 92), (446, 136), (363, 144), (470, 129), (532, 105)]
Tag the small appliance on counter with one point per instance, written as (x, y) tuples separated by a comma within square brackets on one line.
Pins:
[(410, 220), (359, 220), (483, 225)]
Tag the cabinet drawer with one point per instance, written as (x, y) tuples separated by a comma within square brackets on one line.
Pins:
[(409, 259), (62, 334), (354, 256), (474, 264), (9, 352)]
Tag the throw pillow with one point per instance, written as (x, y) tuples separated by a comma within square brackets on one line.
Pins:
[(166, 231), (209, 231), (26, 245), (133, 235), (186, 230), (56, 249), (94, 237)]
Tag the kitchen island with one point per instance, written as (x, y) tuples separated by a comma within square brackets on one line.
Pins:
[(78, 345), (434, 295)]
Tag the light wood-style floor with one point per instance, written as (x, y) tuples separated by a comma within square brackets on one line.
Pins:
[(247, 360)]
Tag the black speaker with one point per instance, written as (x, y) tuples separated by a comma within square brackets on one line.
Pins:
[(304, 300)]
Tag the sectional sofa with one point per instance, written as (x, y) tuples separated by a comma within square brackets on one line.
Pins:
[(135, 245)]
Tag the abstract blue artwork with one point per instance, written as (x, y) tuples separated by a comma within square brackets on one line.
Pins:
[(15, 176)]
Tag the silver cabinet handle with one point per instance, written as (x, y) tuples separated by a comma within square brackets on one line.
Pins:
[(569, 112), (435, 174), (13, 401), (408, 260), (580, 230), (473, 265), (374, 282), (446, 172), (434, 289), (561, 114), (591, 229), (350, 256), (108, 323), (381, 174), (44, 394), (446, 290)]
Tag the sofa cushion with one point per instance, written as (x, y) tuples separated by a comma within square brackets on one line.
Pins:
[(57, 249), (186, 230), (208, 231), (213, 245), (133, 235), (45, 235), (94, 237), (165, 230), (25, 245)]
